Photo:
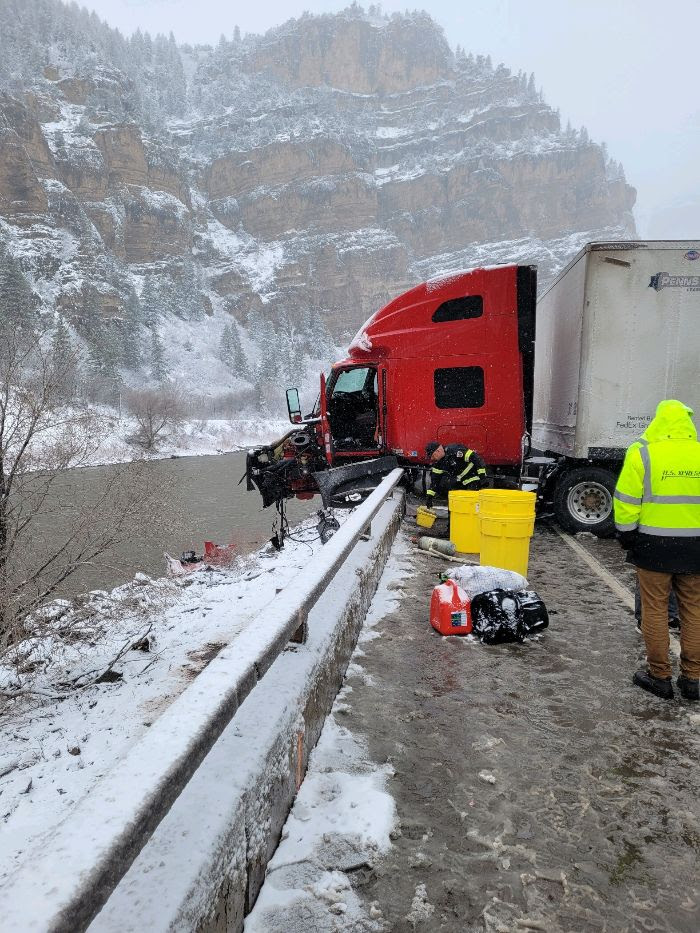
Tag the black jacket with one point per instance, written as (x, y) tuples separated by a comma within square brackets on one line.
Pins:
[(460, 468), (663, 554)]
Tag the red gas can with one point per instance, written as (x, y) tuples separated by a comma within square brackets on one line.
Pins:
[(450, 610)]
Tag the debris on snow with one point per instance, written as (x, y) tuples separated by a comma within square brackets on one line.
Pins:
[(71, 709), (487, 777), (421, 909)]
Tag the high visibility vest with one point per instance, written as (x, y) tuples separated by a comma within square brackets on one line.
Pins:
[(658, 490)]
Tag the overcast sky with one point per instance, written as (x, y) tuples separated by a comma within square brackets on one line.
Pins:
[(622, 68)]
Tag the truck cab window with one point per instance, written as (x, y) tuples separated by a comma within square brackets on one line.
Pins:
[(353, 408), (459, 387), (459, 309)]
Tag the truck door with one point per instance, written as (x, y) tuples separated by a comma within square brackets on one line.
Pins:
[(326, 438), (353, 410), (382, 409)]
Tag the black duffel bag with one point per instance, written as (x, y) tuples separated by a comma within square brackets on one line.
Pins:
[(500, 616)]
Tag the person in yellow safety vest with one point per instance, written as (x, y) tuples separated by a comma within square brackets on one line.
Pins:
[(454, 466), (657, 517)]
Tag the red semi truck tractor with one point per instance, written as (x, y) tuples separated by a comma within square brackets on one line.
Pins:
[(450, 360), (456, 359)]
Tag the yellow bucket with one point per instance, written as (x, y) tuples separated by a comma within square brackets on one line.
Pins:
[(507, 524), (425, 517), (464, 521)]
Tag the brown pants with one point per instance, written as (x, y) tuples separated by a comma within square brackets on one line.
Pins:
[(655, 588)]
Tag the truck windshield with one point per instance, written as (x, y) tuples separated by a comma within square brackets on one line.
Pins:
[(351, 380)]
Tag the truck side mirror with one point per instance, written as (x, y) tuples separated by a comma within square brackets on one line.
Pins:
[(294, 406)]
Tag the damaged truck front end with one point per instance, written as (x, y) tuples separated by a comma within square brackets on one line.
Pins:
[(295, 465), (286, 467)]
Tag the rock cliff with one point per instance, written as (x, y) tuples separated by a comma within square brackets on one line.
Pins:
[(289, 183)]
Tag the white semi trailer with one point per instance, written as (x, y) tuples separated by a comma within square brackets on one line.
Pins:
[(616, 332)]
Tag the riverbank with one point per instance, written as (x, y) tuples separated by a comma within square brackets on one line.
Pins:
[(194, 437)]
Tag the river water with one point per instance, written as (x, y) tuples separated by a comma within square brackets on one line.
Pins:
[(207, 504)]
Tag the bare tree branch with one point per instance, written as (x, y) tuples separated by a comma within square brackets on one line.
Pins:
[(157, 413), (46, 534)]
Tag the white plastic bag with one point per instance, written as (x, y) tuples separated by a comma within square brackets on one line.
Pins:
[(475, 580)]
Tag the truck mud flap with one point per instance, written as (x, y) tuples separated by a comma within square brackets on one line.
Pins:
[(345, 487)]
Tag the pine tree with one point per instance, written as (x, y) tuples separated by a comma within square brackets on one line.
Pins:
[(286, 337), (65, 359), (150, 302), (191, 306), (269, 361), (175, 86), (18, 303), (240, 361), (104, 343), (131, 325), (60, 344), (170, 300), (111, 356), (320, 342), (256, 328), (159, 370), (90, 315), (226, 347)]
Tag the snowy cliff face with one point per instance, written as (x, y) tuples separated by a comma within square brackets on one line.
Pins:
[(273, 191)]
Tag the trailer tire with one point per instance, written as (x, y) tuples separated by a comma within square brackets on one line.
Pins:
[(583, 501)]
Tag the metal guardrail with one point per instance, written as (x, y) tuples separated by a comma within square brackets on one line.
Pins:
[(63, 885)]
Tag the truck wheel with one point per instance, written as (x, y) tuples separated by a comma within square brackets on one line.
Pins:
[(583, 501)]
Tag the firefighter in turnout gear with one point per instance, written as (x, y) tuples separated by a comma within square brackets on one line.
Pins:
[(454, 466), (657, 517)]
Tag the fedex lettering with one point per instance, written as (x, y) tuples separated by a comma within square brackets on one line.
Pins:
[(637, 422)]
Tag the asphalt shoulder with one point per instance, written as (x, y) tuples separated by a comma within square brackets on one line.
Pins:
[(535, 787)]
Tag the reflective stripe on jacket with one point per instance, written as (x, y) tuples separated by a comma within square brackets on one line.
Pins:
[(658, 490), (460, 468), (465, 465)]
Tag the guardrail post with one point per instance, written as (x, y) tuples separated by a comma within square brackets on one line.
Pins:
[(301, 633)]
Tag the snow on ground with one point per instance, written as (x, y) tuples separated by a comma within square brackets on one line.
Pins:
[(192, 438), (64, 723), (341, 820)]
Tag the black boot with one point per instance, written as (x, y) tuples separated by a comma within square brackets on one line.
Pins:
[(689, 688), (659, 686)]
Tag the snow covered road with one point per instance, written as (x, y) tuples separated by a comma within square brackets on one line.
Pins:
[(535, 788)]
